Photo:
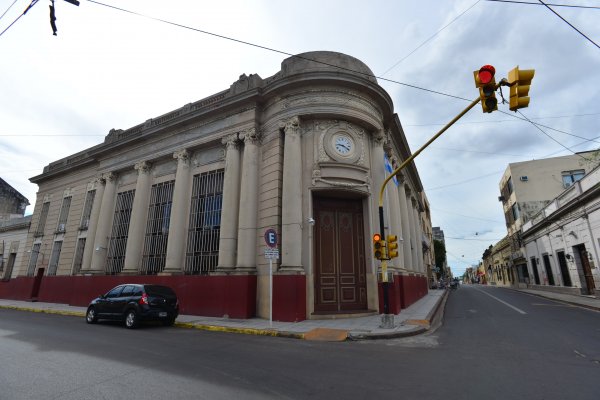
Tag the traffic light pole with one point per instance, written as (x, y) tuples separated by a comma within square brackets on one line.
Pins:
[(386, 301)]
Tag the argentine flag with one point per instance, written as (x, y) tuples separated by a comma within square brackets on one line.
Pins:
[(389, 168)]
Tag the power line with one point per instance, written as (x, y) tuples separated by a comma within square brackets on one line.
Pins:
[(33, 3), (571, 25), (537, 4), (9, 7), (465, 181), (431, 37), (506, 120)]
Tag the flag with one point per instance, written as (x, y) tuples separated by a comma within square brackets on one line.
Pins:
[(389, 168)]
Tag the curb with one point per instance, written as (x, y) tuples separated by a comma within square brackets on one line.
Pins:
[(45, 311), (571, 303), (246, 331)]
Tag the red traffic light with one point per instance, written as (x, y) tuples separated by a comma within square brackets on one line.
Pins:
[(376, 237), (486, 74)]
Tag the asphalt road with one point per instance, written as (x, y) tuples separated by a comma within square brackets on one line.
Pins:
[(492, 344)]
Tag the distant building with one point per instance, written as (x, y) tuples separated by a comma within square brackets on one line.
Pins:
[(13, 228), (526, 188), (12, 203)]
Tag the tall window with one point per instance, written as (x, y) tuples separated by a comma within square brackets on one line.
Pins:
[(202, 253), (39, 231), (515, 211), (64, 215), (118, 239), (87, 209), (157, 228), (35, 252), (54, 258), (78, 259), (509, 186), (570, 177)]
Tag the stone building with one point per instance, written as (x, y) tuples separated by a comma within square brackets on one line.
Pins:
[(12, 203), (185, 199)]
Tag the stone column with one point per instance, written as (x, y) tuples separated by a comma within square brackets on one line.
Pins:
[(413, 236), (248, 217), (175, 259), (231, 204), (139, 216), (419, 237), (291, 201), (404, 218), (88, 251), (395, 222), (105, 219), (378, 176)]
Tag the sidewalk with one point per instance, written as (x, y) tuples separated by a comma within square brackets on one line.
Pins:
[(590, 302), (413, 320)]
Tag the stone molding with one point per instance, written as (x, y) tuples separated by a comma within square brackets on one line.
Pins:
[(143, 167), (182, 156)]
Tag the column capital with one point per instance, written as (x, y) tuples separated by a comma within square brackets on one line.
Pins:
[(182, 156), (379, 138), (231, 141), (291, 126), (250, 136), (109, 177), (143, 167), (99, 180)]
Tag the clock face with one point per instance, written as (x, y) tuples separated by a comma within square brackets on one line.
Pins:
[(343, 145)]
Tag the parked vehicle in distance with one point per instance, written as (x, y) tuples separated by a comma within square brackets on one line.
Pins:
[(134, 303)]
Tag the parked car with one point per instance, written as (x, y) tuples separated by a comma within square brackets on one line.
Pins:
[(134, 303)]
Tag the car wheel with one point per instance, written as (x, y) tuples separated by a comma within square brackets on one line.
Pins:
[(169, 322), (131, 319), (90, 316)]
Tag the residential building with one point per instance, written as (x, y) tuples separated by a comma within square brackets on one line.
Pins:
[(185, 199)]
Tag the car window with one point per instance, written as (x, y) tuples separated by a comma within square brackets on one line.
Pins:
[(137, 291), (115, 292), (159, 290), (128, 291)]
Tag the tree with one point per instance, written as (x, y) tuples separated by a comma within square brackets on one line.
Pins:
[(440, 256)]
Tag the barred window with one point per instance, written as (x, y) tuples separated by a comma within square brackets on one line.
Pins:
[(157, 228), (39, 231), (64, 215), (35, 251), (78, 259), (54, 258), (87, 209), (202, 253), (115, 257)]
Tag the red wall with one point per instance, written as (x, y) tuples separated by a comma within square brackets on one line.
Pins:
[(289, 298), (213, 296), (403, 292)]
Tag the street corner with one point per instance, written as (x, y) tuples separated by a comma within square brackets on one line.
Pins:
[(326, 335)]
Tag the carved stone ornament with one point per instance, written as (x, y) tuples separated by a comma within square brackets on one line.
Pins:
[(380, 138), (250, 136), (316, 177), (340, 141), (231, 141), (109, 177), (291, 126), (143, 167), (182, 156)]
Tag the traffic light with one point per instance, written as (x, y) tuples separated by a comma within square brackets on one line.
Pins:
[(520, 81), (379, 247), (485, 81), (392, 245)]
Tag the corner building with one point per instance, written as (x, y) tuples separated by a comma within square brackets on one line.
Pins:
[(184, 200)]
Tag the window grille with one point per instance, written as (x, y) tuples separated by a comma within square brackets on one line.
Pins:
[(202, 253), (39, 231), (33, 259), (78, 259), (115, 257), (87, 209), (53, 266), (64, 214), (157, 228)]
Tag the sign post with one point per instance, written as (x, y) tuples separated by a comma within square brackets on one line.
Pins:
[(271, 252)]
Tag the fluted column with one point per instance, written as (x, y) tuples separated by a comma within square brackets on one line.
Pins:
[(248, 217), (411, 230), (419, 233), (395, 223), (139, 216), (231, 204), (88, 251), (405, 221), (378, 176), (415, 238), (175, 259), (105, 219), (291, 201)]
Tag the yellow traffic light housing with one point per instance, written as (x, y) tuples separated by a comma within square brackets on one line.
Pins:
[(392, 246), (379, 247), (520, 81), (485, 81)]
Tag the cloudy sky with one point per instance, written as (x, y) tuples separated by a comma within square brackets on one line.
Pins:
[(108, 68)]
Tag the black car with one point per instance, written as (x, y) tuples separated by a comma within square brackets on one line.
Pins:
[(134, 303)]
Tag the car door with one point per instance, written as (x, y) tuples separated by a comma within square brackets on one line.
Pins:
[(111, 303), (120, 302)]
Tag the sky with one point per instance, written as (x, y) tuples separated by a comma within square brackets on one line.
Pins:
[(108, 68)]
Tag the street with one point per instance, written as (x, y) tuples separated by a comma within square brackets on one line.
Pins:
[(492, 344)]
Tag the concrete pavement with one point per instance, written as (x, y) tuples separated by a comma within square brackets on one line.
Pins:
[(414, 320)]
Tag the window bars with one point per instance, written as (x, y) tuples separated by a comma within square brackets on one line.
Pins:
[(87, 210), (35, 251), (39, 231), (53, 265), (64, 215), (202, 253), (157, 228), (115, 257), (78, 259)]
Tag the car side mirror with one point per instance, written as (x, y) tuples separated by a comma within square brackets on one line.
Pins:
[(102, 296)]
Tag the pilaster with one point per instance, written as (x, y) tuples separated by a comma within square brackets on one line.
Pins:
[(105, 219)]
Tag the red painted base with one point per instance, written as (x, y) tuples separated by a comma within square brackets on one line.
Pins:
[(404, 291), (289, 298), (213, 296)]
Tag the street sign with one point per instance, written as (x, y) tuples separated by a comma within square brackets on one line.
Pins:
[(271, 254), (271, 237)]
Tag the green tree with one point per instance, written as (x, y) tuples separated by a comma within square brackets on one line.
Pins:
[(440, 256)]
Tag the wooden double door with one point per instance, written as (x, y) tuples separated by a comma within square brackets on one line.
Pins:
[(340, 272)]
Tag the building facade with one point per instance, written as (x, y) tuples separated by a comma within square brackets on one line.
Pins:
[(12, 203), (185, 199)]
